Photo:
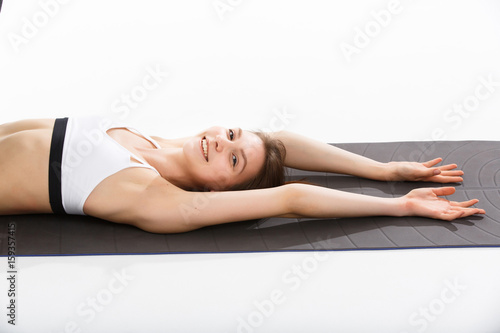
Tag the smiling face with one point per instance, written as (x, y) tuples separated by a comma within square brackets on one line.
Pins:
[(220, 158)]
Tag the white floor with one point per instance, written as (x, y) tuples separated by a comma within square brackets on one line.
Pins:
[(454, 290), (334, 70)]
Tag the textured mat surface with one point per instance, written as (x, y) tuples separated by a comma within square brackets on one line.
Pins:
[(50, 234)]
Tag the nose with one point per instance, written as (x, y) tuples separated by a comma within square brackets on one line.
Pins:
[(221, 143)]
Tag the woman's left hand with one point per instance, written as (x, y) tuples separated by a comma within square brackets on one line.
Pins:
[(425, 172), (426, 202)]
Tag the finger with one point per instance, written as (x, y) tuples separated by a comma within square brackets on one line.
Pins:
[(472, 211), (457, 213), (453, 176), (452, 173), (464, 203), (432, 162), (445, 179), (442, 191), (448, 167)]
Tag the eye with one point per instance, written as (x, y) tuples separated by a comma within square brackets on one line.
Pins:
[(235, 160), (231, 134)]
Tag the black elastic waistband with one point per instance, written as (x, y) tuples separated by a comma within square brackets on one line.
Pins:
[(55, 162)]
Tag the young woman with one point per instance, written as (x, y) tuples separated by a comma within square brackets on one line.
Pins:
[(93, 166)]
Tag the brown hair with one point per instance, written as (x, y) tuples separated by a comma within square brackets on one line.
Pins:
[(273, 171)]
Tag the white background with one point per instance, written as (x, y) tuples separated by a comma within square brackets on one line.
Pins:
[(243, 63)]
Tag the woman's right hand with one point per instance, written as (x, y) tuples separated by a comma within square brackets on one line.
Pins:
[(426, 202)]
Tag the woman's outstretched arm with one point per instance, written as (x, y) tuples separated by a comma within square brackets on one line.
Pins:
[(308, 154), (162, 211)]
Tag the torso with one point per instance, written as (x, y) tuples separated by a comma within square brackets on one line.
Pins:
[(24, 172)]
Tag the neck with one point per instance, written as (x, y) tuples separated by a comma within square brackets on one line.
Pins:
[(169, 161)]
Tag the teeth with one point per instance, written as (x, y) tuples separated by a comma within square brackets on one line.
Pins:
[(204, 145)]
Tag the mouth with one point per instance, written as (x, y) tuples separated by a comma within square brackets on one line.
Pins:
[(204, 148)]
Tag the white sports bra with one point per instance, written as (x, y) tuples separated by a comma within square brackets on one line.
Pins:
[(89, 156)]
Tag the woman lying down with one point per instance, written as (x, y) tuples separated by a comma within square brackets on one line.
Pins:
[(93, 166)]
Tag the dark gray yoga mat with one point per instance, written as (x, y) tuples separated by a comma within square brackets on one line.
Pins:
[(74, 235)]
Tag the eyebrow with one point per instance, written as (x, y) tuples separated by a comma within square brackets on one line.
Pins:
[(244, 161), (242, 152)]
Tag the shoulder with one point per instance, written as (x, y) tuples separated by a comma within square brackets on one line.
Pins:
[(131, 195)]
